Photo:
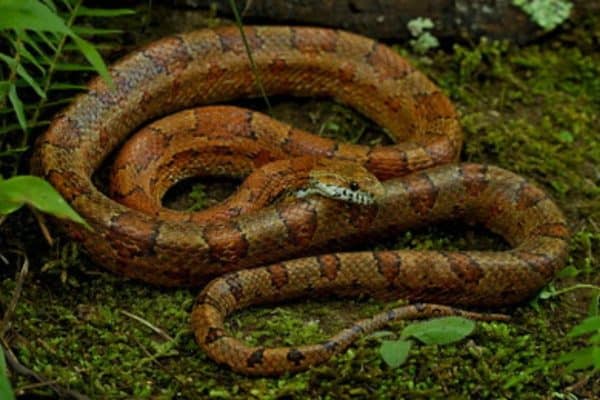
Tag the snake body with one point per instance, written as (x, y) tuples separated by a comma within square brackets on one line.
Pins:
[(173, 249)]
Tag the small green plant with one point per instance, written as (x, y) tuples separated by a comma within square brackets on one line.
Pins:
[(199, 197), (423, 40), (66, 257), (435, 331), (548, 14), (587, 357)]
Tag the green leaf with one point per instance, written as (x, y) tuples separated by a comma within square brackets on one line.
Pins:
[(29, 14), (440, 330), (103, 12), (578, 359), (5, 389), (32, 190), (568, 272), (94, 58), (18, 107), (596, 357), (394, 352), (588, 325), (23, 74)]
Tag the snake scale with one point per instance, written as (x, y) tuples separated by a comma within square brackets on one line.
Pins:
[(412, 183)]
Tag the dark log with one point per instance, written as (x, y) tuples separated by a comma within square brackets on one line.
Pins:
[(387, 19)]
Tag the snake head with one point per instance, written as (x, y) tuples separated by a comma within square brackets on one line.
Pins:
[(343, 180)]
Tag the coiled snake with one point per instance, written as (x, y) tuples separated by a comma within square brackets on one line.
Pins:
[(416, 184)]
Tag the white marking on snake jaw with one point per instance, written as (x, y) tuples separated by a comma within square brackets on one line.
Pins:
[(337, 193)]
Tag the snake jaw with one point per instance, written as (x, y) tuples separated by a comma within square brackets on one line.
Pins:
[(337, 193), (343, 180)]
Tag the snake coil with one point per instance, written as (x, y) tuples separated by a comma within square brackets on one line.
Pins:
[(417, 184)]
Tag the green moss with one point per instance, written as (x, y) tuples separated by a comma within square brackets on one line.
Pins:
[(533, 110)]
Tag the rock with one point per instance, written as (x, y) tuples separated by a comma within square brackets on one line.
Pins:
[(387, 19)]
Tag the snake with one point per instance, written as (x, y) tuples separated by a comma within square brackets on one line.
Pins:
[(303, 197)]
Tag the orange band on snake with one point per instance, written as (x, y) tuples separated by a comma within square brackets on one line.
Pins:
[(328, 198)]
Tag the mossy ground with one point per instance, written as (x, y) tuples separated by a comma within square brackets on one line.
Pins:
[(534, 110)]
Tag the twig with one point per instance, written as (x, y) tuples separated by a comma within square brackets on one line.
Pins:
[(142, 321), (4, 326), (43, 227), (579, 384), (575, 287), (19, 368), (149, 356), (247, 7), (36, 385)]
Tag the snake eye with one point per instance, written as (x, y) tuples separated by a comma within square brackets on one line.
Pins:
[(354, 186)]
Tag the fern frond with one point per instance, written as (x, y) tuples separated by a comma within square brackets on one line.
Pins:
[(43, 39)]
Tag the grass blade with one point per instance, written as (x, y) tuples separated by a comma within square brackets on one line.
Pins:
[(66, 86), (103, 12), (73, 67), (257, 77), (18, 107), (93, 57), (91, 31)]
